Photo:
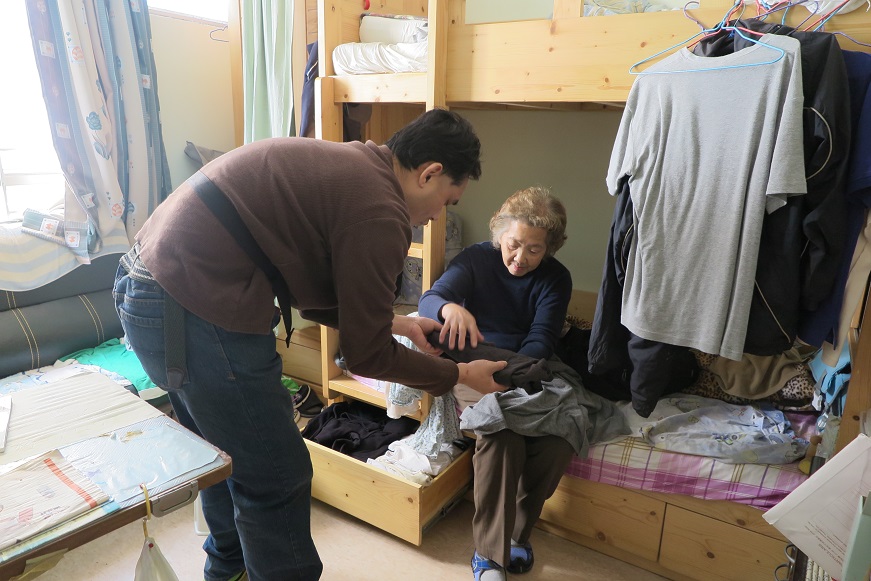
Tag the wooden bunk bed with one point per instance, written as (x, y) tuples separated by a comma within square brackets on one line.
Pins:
[(565, 63)]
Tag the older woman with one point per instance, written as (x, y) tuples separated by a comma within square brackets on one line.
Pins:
[(513, 293)]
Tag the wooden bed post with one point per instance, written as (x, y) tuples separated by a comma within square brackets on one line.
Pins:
[(235, 28), (437, 55), (859, 390), (567, 8), (328, 125)]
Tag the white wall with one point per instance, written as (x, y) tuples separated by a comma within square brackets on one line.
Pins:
[(194, 88), (567, 152)]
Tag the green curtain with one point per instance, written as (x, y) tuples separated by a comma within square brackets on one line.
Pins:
[(267, 28)]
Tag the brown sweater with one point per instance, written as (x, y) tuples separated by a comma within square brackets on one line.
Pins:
[(331, 217)]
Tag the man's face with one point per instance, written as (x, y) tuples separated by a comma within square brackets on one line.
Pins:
[(439, 191)]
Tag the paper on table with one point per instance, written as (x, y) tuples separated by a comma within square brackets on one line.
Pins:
[(42, 493), (818, 515)]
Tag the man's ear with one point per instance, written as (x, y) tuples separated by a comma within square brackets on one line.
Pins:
[(429, 170)]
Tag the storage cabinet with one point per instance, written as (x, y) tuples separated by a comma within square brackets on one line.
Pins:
[(703, 548), (679, 537)]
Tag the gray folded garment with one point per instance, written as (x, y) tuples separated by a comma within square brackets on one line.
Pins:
[(521, 371)]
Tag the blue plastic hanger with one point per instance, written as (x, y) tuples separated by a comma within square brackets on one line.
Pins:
[(721, 26), (683, 43)]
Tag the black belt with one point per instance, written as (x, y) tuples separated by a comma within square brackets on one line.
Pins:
[(217, 201)]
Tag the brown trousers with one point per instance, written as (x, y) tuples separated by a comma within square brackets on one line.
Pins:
[(514, 475)]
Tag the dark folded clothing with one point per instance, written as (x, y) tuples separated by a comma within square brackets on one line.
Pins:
[(357, 429), (521, 371)]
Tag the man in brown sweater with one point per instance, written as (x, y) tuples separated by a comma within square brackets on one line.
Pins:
[(334, 221)]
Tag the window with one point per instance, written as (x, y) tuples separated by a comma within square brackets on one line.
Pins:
[(30, 175), (214, 10)]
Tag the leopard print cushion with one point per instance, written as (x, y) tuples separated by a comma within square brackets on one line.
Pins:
[(795, 395)]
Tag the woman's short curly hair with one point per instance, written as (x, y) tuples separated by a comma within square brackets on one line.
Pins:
[(536, 207)]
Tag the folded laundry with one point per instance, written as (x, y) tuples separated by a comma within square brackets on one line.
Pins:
[(521, 371)]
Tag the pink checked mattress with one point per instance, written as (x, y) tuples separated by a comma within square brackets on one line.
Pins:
[(632, 463)]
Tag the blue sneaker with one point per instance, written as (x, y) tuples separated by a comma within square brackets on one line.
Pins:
[(480, 564), (520, 559)]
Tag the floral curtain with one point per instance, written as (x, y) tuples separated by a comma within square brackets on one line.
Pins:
[(100, 89)]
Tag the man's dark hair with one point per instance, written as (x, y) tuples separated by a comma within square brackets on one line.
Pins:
[(439, 136)]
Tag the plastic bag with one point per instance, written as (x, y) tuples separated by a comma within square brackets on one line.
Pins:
[(152, 565)]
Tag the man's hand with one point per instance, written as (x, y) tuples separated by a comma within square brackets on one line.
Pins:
[(416, 329), (479, 375), (459, 323)]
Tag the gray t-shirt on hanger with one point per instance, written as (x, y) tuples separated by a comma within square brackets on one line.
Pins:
[(707, 153)]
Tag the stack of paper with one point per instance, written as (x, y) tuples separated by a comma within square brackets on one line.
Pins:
[(818, 516), (42, 492)]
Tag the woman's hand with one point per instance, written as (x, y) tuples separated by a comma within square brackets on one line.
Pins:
[(479, 375), (459, 324), (417, 329)]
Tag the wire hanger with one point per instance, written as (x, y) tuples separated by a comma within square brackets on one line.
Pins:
[(825, 19), (783, 5), (819, 24), (851, 39), (221, 29), (740, 31), (693, 18)]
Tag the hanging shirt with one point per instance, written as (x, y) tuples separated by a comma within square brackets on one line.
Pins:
[(707, 153), (802, 244)]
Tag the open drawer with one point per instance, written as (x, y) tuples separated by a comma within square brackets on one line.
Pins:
[(398, 506)]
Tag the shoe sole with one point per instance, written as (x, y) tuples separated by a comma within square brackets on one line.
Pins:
[(521, 567)]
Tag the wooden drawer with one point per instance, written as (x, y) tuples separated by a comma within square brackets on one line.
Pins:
[(707, 549), (393, 504), (606, 517), (302, 360)]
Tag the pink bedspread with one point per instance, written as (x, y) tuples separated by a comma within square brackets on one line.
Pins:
[(632, 463)]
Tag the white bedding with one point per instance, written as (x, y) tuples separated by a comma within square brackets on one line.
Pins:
[(360, 58), (388, 44)]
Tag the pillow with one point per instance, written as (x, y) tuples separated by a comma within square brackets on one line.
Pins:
[(392, 29), (114, 356)]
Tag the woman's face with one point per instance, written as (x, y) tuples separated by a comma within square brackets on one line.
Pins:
[(523, 247)]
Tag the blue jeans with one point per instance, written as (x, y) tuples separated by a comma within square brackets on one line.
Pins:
[(260, 518)]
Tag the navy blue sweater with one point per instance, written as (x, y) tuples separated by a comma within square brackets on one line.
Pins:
[(522, 314)]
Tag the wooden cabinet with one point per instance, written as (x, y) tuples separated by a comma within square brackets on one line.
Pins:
[(679, 537), (301, 360), (398, 506), (700, 547)]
